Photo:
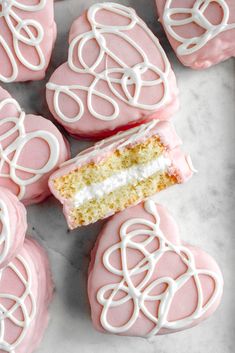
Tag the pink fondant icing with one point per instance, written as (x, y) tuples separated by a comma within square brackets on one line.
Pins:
[(110, 42), (212, 19), (180, 166), (25, 292), (140, 263), (31, 149), (27, 37), (13, 226)]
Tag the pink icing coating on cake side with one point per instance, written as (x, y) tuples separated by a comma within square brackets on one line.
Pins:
[(202, 33), (180, 166), (117, 75), (26, 290), (27, 37), (31, 149), (144, 281), (13, 226)]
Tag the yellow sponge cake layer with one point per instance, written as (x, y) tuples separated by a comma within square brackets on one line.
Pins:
[(126, 196), (142, 153), (119, 172)]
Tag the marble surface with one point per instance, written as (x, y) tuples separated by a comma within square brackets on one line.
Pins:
[(204, 208)]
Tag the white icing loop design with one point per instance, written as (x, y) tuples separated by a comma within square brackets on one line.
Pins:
[(196, 15), (24, 304), (140, 295), (5, 234), (129, 76), (11, 153), (28, 32)]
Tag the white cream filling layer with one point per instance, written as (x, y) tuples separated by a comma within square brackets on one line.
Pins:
[(124, 177)]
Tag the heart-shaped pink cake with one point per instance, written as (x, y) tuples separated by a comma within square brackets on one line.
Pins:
[(13, 226), (144, 281), (27, 36), (202, 33), (117, 75), (25, 293), (31, 148)]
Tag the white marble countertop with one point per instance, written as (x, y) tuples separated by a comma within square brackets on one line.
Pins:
[(204, 208)]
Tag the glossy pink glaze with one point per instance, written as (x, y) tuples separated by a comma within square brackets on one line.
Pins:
[(41, 289), (89, 126), (217, 49), (101, 150), (170, 265), (16, 213), (45, 18), (35, 153)]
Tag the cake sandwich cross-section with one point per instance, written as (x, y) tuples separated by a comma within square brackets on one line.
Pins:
[(119, 172)]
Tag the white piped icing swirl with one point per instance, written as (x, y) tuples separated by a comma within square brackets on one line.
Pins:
[(23, 305), (196, 15), (10, 153), (27, 32), (116, 294), (5, 233), (129, 76)]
